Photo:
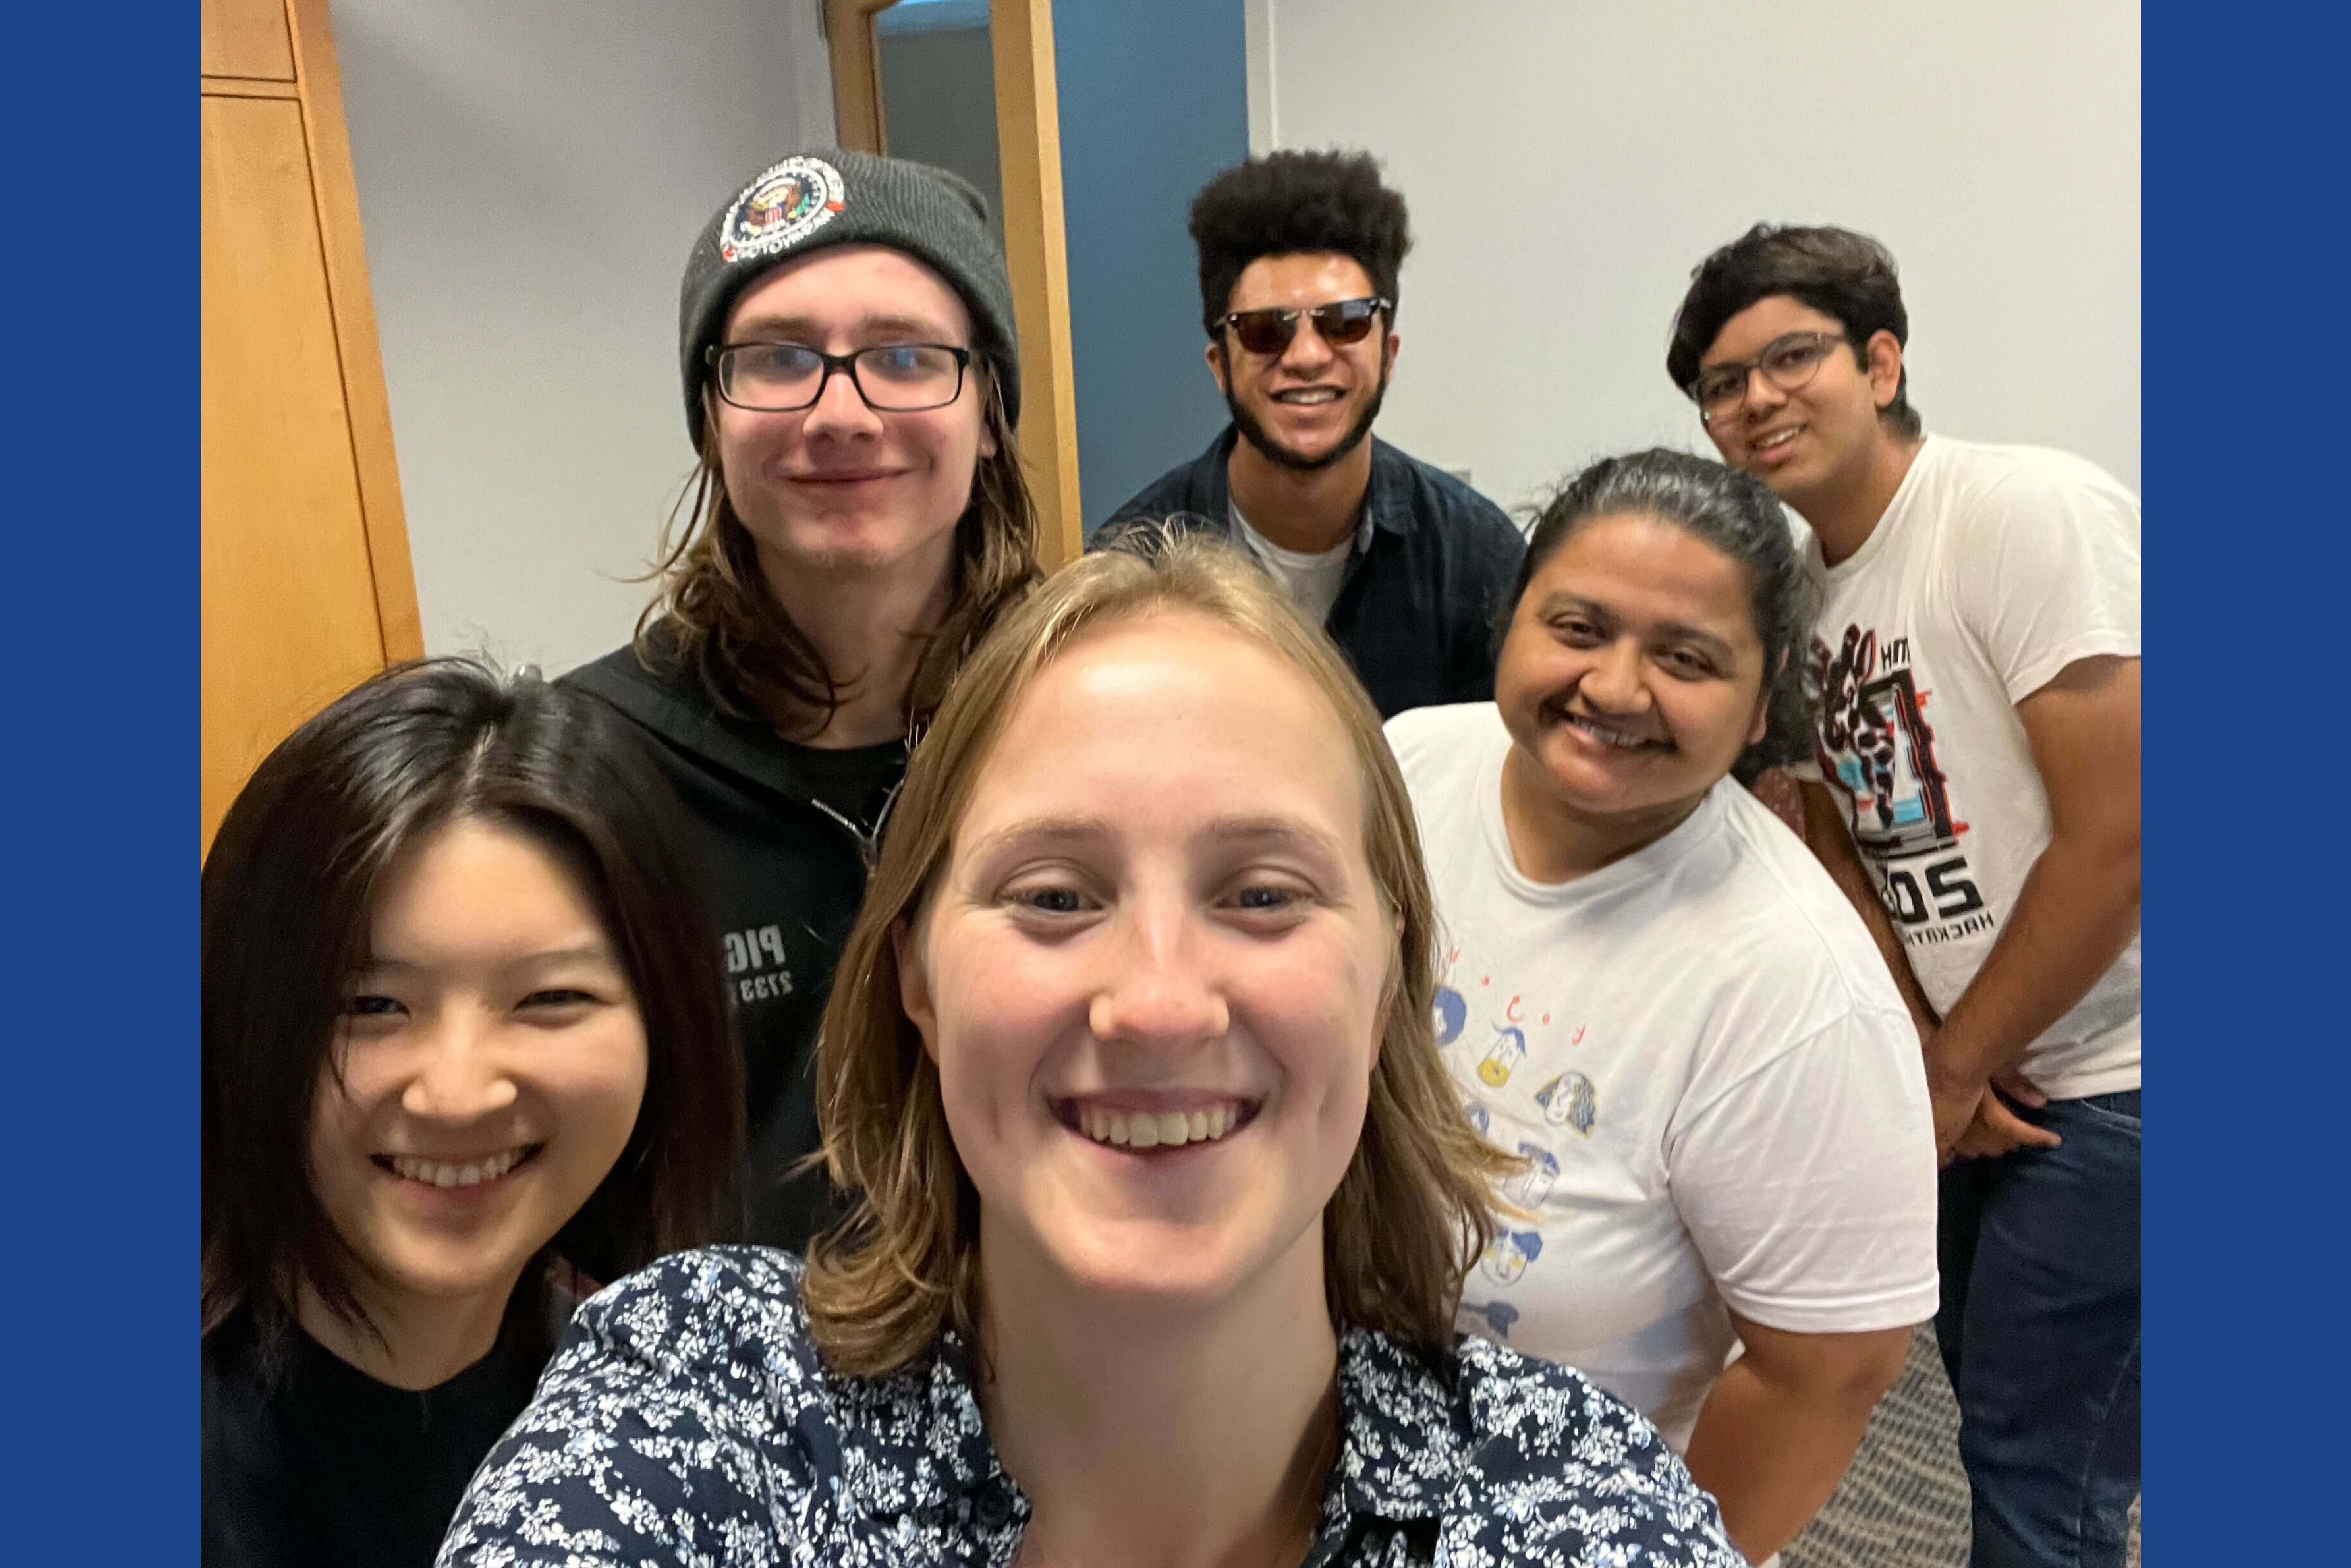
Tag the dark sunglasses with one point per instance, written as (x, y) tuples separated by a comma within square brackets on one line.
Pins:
[(1339, 323)]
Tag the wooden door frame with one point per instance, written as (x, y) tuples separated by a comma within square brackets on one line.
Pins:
[(1028, 153), (366, 402), (856, 72)]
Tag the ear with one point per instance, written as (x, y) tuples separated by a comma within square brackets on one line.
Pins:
[(1216, 357), (988, 400), (914, 987), (1395, 347), (1884, 359)]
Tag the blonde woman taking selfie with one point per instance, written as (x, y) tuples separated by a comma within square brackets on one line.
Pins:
[(1162, 1197)]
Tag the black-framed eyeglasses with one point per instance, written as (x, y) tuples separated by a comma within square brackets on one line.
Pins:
[(1787, 361), (893, 378), (1340, 322)]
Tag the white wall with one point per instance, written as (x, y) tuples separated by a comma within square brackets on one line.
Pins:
[(1257, 54), (1569, 162), (531, 173)]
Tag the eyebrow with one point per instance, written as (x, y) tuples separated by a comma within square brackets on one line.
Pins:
[(800, 328), (1680, 630), (1048, 831), (1726, 362), (1272, 830), (580, 953)]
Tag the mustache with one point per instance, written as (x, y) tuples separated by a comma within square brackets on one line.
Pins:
[(1290, 457)]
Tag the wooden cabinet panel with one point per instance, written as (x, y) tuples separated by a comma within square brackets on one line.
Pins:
[(290, 603), (247, 39)]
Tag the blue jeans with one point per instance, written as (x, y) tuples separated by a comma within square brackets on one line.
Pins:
[(2039, 1329)]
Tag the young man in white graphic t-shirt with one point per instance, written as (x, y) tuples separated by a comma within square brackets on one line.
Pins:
[(1975, 794)]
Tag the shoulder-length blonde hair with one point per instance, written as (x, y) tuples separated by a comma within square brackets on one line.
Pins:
[(712, 613), (1414, 1208)]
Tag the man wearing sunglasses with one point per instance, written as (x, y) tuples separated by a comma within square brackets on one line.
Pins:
[(1975, 794), (1404, 564)]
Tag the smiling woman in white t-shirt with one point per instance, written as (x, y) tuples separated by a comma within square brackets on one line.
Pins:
[(1657, 998)]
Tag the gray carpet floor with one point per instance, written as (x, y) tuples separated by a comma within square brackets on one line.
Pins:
[(1903, 1503)]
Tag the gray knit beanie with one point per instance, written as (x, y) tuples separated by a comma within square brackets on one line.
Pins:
[(829, 196)]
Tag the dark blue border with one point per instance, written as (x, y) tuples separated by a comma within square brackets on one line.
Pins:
[(2247, 601), (2248, 610), (98, 786)]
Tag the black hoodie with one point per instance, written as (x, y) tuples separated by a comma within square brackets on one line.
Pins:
[(788, 833)]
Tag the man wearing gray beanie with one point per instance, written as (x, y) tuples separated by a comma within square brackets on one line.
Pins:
[(857, 520)]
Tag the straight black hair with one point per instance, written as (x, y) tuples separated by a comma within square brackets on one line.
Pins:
[(1738, 516), (288, 889), (1835, 271)]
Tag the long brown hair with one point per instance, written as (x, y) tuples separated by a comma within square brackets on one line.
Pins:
[(1413, 1211), (288, 887), (712, 613)]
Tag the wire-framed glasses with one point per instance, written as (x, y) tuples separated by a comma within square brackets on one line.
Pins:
[(1787, 361)]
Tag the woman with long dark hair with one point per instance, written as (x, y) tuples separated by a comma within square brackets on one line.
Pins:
[(856, 518), (464, 1022)]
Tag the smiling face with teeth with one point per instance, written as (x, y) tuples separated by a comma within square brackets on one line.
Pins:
[(839, 490), (1631, 680), (486, 1074), (1311, 405), (1823, 438), (1153, 971)]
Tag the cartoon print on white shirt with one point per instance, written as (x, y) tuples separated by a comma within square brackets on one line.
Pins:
[(1567, 1100), (1452, 1013), (1498, 1316), (1509, 1048), (1570, 1101), (1875, 741), (1508, 1255), (1534, 1184)]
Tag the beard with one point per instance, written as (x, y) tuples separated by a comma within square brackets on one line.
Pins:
[(1297, 462)]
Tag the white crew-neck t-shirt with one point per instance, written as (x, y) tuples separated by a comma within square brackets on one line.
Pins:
[(1312, 580), (1993, 569), (1699, 1051)]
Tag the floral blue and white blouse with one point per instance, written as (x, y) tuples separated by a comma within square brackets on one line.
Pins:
[(688, 1419)]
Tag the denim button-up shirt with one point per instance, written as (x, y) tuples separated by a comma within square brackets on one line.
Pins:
[(688, 1419), (1431, 572)]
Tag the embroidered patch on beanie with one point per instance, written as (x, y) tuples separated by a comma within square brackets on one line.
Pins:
[(781, 208)]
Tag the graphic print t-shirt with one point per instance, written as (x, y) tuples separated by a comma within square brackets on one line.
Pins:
[(1701, 1056), (1993, 569)]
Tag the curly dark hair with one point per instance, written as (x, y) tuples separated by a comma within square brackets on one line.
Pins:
[(1286, 203), (1738, 515), (1835, 271)]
